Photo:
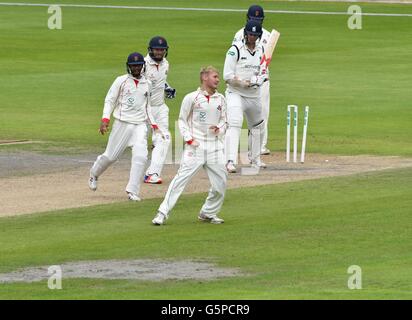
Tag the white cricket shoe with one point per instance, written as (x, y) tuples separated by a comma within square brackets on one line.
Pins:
[(153, 179), (230, 167), (159, 219), (93, 183), (133, 196), (258, 164), (211, 219), (265, 152)]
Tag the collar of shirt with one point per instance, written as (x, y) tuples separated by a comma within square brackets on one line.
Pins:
[(206, 94), (141, 79), (258, 46)]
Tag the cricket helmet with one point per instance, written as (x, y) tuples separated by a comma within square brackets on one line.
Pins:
[(133, 59), (255, 12), (157, 43), (253, 27)]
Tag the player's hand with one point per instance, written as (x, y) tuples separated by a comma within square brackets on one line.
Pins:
[(237, 82), (104, 127), (159, 132), (257, 81), (170, 92), (214, 129), (263, 69), (193, 143)]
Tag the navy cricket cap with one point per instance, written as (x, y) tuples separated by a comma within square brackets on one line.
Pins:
[(255, 12), (135, 58)]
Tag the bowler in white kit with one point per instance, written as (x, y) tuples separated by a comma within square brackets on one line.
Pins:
[(202, 124), (129, 101)]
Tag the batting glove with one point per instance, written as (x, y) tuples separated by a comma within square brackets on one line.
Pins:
[(257, 81)]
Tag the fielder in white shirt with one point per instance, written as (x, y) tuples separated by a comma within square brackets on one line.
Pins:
[(156, 70), (256, 13), (128, 100), (244, 77), (202, 123)]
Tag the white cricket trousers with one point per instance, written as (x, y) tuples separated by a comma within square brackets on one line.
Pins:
[(265, 93), (161, 146), (125, 135), (212, 159), (252, 107)]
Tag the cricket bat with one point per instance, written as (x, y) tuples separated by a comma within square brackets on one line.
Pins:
[(270, 48)]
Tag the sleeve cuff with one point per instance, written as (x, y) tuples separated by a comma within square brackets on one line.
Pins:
[(106, 120)]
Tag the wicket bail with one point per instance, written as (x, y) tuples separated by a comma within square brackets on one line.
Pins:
[(295, 133)]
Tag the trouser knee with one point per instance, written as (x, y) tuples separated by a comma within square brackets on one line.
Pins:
[(140, 157), (107, 159), (259, 126), (101, 164)]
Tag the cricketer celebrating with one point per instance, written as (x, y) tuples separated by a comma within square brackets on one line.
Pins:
[(244, 77), (157, 68), (128, 100), (202, 123), (256, 13)]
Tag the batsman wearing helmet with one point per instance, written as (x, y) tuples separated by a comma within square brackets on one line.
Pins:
[(244, 77), (129, 101), (256, 13), (157, 68)]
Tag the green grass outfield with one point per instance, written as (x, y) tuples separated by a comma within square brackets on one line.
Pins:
[(296, 240), (356, 82)]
